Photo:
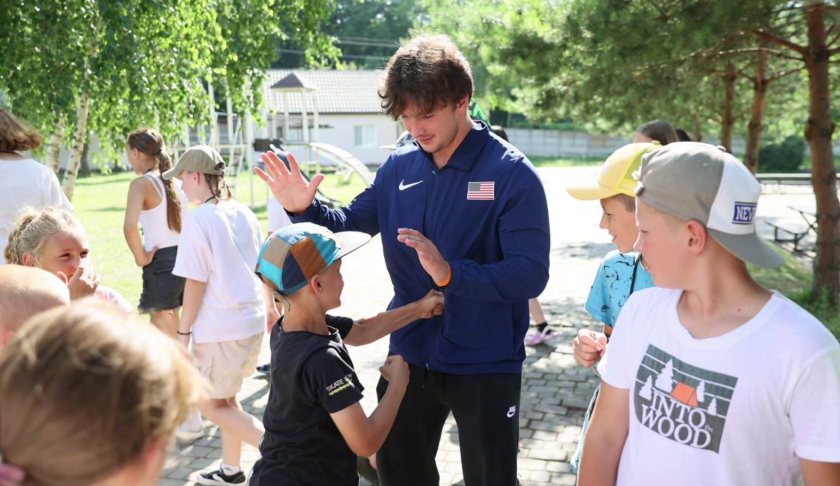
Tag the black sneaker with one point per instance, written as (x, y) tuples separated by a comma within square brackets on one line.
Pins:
[(218, 477), (265, 369)]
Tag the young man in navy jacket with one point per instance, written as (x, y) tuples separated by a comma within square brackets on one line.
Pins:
[(462, 211)]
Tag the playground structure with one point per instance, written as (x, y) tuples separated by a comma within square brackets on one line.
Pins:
[(243, 140)]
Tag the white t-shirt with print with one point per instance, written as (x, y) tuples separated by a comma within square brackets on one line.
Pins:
[(737, 409), (219, 245)]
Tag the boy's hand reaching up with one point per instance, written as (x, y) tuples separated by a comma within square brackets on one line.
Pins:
[(431, 304), (395, 370), (590, 346)]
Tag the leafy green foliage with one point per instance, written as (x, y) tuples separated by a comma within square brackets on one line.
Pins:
[(146, 63), (367, 32), (787, 156)]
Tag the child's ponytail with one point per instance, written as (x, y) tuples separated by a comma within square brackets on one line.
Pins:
[(218, 184), (173, 202)]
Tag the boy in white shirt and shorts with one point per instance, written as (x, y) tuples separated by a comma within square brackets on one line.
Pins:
[(711, 379)]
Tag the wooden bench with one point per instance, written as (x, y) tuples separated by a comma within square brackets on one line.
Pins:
[(796, 230)]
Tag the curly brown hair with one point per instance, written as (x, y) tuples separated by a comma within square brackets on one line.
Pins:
[(16, 135), (427, 70)]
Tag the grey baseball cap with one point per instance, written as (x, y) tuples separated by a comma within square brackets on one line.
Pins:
[(199, 158), (701, 182)]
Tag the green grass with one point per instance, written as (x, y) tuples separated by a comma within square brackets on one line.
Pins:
[(806, 162), (540, 161), (100, 205)]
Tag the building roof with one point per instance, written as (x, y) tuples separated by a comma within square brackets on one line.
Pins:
[(337, 92), (292, 82)]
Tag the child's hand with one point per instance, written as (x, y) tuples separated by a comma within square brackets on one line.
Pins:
[(590, 346), (83, 283), (395, 370), (432, 304), (147, 258)]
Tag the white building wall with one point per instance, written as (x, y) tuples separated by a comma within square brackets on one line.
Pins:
[(557, 143)]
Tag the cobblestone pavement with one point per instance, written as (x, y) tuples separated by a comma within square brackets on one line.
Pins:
[(555, 391)]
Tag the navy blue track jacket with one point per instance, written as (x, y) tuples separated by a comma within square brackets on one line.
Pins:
[(495, 238)]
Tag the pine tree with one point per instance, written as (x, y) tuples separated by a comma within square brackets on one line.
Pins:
[(647, 390), (701, 392), (712, 410), (666, 377)]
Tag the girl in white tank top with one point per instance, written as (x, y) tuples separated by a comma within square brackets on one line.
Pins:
[(159, 206)]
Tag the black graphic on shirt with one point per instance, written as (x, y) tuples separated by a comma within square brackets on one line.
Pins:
[(682, 402), (616, 291)]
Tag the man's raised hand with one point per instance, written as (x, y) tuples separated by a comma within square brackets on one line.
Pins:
[(288, 186)]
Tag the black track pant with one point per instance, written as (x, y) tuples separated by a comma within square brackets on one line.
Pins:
[(486, 409)]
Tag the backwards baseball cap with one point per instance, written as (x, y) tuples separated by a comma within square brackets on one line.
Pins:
[(616, 176), (698, 181), (200, 158), (296, 253)]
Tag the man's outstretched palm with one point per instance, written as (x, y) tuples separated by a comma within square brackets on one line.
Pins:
[(288, 186)]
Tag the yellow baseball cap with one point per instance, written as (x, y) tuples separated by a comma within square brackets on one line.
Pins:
[(616, 176)]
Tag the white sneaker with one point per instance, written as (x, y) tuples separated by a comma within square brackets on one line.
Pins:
[(192, 428)]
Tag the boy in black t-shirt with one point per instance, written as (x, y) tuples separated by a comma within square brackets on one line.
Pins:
[(314, 424)]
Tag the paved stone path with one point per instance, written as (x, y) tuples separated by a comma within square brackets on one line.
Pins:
[(555, 391)]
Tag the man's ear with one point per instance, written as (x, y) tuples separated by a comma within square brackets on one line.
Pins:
[(698, 236), (463, 103)]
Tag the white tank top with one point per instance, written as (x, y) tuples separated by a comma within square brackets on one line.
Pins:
[(156, 232)]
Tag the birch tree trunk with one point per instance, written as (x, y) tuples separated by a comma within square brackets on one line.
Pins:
[(78, 147), (54, 148)]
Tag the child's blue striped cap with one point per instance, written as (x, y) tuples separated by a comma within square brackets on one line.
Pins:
[(294, 254)]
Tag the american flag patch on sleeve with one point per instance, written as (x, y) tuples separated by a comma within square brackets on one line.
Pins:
[(481, 191)]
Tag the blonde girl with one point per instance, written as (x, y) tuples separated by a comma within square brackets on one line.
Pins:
[(90, 396), (159, 206), (54, 239)]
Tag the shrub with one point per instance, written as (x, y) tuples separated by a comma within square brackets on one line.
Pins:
[(785, 157)]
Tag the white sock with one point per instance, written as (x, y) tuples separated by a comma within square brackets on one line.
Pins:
[(193, 422), (230, 470)]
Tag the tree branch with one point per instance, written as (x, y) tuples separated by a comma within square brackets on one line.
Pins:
[(754, 50), (777, 40), (783, 74), (737, 74)]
